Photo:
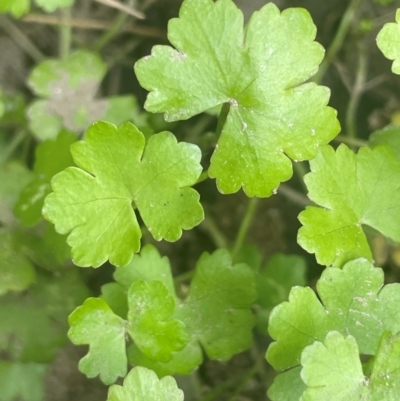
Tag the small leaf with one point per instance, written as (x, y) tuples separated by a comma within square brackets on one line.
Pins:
[(352, 190), (16, 271), (287, 386), (353, 302), (388, 42), (29, 206), (21, 381), (94, 323), (95, 200), (274, 115), (150, 321), (142, 384), (389, 136), (332, 370)]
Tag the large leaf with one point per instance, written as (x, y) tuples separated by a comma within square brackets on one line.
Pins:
[(142, 384), (259, 74), (388, 41), (352, 190), (94, 201), (15, 7), (353, 301)]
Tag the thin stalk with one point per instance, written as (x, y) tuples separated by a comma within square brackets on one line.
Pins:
[(85, 23), (126, 8), (203, 177), (65, 34), (184, 277), (112, 32), (339, 38), (293, 195), (355, 94), (216, 235), (21, 40), (351, 141), (245, 226), (13, 145)]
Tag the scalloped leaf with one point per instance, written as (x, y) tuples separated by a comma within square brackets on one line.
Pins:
[(142, 384), (274, 116), (388, 42), (115, 170), (353, 190)]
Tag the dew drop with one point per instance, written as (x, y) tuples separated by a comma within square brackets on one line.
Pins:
[(275, 191), (312, 131)]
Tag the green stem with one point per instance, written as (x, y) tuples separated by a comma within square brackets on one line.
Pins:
[(355, 94), (203, 177), (293, 195), (222, 118), (21, 40), (351, 141), (184, 277), (65, 34), (339, 38), (13, 145), (245, 226), (112, 32), (210, 226)]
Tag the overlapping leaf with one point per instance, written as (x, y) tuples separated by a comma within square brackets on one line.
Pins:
[(352, 190), (52, 156), (95, 323), (94, 201), (259, 73), (388, 42), (142, 384), (67, 89), (353, 302), (332, 370), (167, 332)]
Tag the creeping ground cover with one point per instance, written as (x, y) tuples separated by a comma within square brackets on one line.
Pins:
[(199, 200)]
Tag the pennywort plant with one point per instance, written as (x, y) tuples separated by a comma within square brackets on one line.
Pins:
[(124, 186)]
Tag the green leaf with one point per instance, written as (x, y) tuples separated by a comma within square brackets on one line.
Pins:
[(388, 42), (21, 381), (95, 200), (287, 386), (51, 5), (29, 206), (14, 176), (16, 271), (34, 324), (94, 323), (385, 376), (150, 321), (17, 8), (389, 136), (67, 91), (142, 384), (217, 310), (274, 282), (274, 116), (353, 302), (149, 265), (352, 190), (332, 370), (116, 297)]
